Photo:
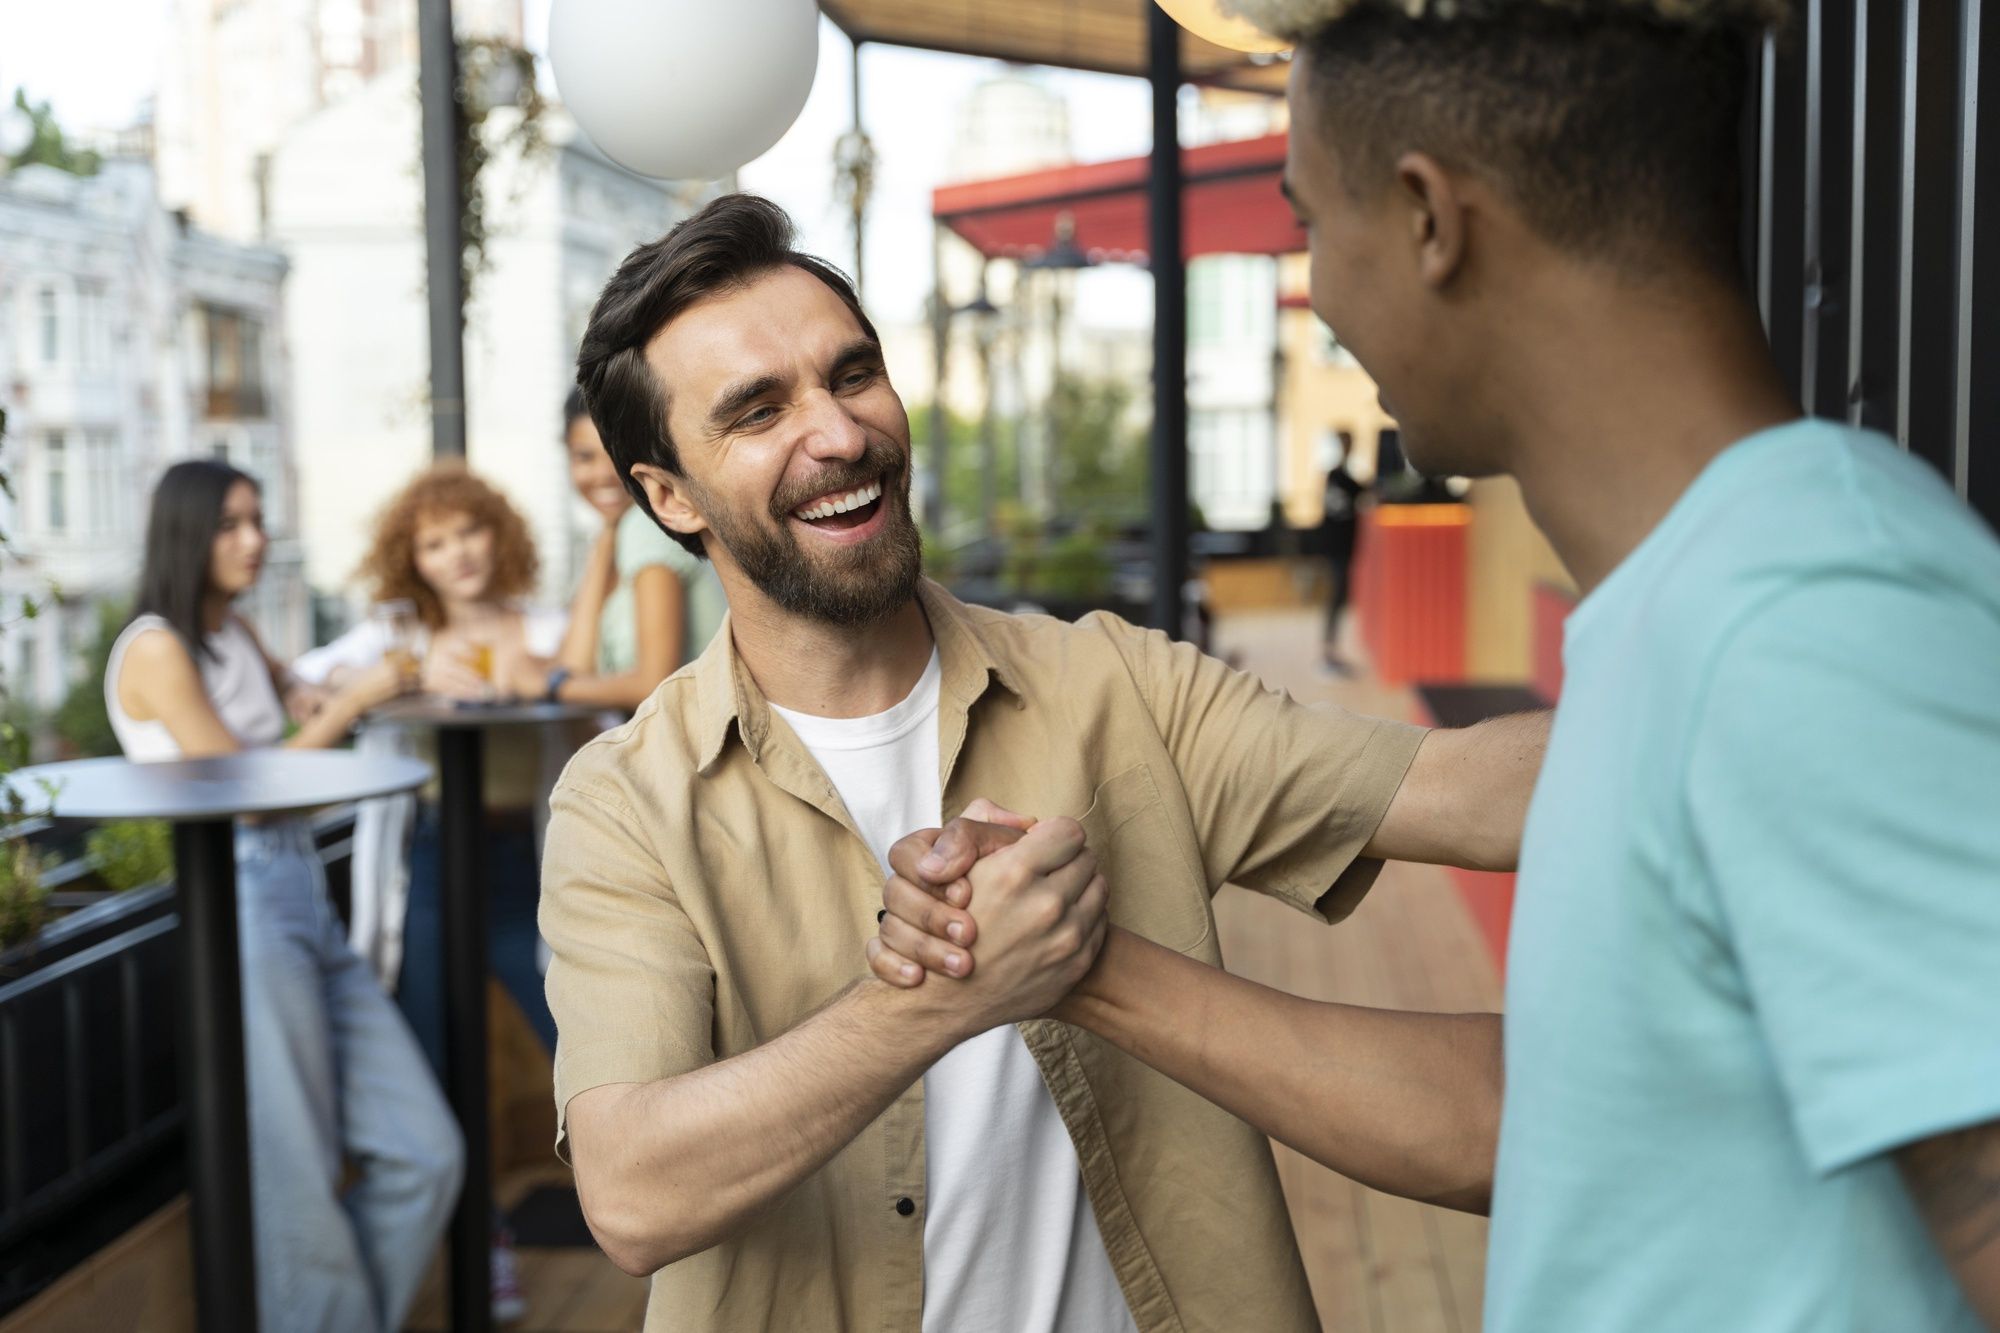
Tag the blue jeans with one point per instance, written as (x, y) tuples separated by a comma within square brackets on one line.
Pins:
[(513, 892), (336, 1082)]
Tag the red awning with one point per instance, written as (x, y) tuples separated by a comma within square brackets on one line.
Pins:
[(1232, 206)]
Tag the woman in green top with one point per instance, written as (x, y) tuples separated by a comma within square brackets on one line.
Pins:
[(644, 606)]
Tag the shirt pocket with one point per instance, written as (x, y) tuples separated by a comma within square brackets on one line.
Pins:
[(1156, 890)]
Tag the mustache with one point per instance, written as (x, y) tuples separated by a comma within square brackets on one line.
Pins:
[(879, 460)]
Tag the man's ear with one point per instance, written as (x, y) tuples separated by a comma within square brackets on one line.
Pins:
[(667, 496), (1437, 209)]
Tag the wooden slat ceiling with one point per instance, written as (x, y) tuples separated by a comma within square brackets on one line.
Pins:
[(1108, 36)]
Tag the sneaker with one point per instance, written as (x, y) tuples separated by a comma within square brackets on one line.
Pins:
[(509, 1304)]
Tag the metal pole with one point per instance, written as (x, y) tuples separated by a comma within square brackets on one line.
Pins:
[(940, 422), (212, 1079), (460, 764), (437, 83), (989, 454), (1163, 197), (860, 198)]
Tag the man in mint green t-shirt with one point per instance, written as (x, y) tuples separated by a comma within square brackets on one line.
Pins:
[(1751, 1069)]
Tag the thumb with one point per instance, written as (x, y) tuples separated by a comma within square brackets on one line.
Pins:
[(988, 812)]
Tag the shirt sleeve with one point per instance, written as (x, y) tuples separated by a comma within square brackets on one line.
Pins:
[(1284, 795), (542, 629), (1842, 786), (359, 648), (629, 981)]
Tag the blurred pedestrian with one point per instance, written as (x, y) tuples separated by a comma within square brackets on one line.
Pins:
[(1340, 522)]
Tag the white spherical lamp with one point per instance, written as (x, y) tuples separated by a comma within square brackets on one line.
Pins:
[(1205, 19), (684, 89)]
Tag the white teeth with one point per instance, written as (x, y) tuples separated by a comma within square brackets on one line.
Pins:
[(840, 504)]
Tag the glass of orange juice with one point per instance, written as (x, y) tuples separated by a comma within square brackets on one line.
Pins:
[(399, 623)]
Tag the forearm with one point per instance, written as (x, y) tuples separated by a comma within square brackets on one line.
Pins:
[(676, 1166), (1407, 1103), (626, 690), (1955, 1181), (331, 724), (1465, 799), (579, 645)]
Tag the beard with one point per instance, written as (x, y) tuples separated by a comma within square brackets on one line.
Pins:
[(850, 587)]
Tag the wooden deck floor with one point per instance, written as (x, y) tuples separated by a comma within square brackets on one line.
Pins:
[(1378, 1264)]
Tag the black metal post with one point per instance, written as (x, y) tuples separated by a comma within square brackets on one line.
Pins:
[(989, 453), (460, 769), (212, 1081), (1169, 469), (444, 203), (934, 496)]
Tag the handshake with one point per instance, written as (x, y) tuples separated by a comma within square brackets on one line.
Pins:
[(1026, 893)]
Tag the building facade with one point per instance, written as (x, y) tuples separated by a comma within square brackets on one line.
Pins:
[(345, 206), (128, 340)]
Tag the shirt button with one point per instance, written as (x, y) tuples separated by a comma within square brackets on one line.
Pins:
[(906, 1206)]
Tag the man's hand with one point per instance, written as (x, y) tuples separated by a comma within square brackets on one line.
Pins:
[(926, 926), (1041, 905)]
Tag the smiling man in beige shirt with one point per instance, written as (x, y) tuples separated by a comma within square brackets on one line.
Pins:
[(784, 1141)]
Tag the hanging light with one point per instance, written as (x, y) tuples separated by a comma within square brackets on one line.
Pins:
[(1205, 19)]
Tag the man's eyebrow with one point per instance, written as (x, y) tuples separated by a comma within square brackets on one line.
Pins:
[(856, 352), (739, 396)]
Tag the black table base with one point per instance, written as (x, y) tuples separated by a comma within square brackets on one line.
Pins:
[(460, 769), (212, 1079)]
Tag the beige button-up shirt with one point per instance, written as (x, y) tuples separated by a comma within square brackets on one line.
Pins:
[(704, 891)]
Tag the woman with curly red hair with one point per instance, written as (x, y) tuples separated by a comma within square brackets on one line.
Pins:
[(453, 547)]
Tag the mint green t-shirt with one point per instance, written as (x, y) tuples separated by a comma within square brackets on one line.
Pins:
[(1756, 945), (641, 543)]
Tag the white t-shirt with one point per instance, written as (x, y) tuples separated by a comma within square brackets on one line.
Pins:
[(1010, 1242)]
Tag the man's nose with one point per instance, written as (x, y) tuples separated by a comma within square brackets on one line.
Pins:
[(831, 432)]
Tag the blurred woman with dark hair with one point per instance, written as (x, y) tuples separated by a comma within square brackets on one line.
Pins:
[(335, 1078)]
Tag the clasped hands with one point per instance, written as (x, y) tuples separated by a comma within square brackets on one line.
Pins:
[(1025, 893)]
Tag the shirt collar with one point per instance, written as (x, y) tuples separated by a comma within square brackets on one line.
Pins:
[(726, 696)]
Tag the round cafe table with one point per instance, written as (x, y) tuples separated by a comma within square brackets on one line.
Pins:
[(201, 797), (461, 747)]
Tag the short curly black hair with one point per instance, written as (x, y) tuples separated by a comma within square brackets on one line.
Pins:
[(1614, 126), (728, 244)]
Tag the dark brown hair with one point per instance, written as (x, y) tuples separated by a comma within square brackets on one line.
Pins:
[(1615, 132), (390, 567), (728, 244)]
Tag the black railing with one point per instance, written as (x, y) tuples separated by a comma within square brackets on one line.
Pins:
[(90, 1108), (1874, 224)]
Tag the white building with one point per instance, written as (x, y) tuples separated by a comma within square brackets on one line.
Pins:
[(239, 74), (297, 121), (128, 341), (345, 206)]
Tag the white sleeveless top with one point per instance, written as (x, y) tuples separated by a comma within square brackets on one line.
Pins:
[(236, 679)]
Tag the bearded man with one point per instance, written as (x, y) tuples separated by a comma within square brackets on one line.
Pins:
[(783, 1140)]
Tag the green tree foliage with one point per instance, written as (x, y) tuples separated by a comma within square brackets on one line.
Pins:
[(48, 145), (23, 897), (82, 719), (131, 853)]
